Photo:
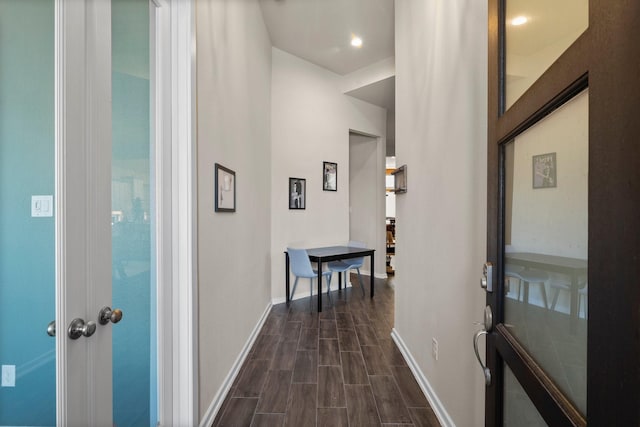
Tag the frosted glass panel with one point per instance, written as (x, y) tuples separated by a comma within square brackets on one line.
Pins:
[(537, 33), (27, 244), (134, 285), (546, 235), (519, 410)]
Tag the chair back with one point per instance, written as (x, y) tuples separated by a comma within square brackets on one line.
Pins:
[(356, 262), (299, 263)]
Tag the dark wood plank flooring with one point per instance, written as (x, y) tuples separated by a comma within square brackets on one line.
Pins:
[(335, 368)]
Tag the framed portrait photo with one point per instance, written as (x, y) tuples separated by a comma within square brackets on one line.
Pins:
[(225, 189), (545, 171), (329, 176), (297, 193)]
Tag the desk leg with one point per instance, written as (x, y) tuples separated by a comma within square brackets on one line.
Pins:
[(372, 275), (286, 275), (319, 286), (573, 312)]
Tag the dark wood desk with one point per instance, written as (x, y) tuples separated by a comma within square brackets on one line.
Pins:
[(331, 253), (572, 267)]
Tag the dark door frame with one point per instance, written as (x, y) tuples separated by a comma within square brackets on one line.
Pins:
[(605, 58)]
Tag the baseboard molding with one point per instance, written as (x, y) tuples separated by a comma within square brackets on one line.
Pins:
[(212, 411), (304, 294), (436, 404)]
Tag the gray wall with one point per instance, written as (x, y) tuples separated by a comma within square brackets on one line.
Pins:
[(364, 195), (310, 123), (234, 103), (441, 98)]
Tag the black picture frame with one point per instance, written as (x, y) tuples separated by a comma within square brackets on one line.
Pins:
[(329, 176), (297, 193), (544, 171), (225, 189)]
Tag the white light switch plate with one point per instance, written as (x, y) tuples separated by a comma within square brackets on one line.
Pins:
[(41, 206), (8, 375)]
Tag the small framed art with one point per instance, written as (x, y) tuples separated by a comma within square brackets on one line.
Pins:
[(545, 171), (297, 193), (225, 189), (329, 176)]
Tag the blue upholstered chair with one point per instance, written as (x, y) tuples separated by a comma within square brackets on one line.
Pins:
[(344, 266), (301, 267)]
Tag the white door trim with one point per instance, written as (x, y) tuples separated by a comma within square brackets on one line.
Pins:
[(174, 127)]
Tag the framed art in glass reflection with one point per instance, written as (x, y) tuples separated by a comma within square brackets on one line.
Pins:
[(545, 171), (225, 189)]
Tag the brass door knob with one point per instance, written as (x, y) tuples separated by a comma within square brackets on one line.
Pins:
[(107, 315)]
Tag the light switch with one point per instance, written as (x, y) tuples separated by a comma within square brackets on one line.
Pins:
[(8, 375), (41, 206)]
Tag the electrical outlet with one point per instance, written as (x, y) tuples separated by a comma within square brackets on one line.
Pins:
[(8, 375), (434, 348)]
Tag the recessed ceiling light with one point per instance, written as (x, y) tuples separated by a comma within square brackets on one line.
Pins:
[(519, 20), (356, 41)]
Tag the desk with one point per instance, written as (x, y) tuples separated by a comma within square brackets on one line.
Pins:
[(331, 253), (573, 267)]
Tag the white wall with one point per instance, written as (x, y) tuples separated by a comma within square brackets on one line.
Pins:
[(310, 123), (441, 98), (364, 168), (234, 101)]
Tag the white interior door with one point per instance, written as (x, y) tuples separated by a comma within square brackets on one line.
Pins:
[(77, 214), (83, 194)]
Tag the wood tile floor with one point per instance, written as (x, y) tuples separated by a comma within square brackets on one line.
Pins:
[(335, 368)]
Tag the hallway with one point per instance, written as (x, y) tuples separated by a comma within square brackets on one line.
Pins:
[(335, 368)]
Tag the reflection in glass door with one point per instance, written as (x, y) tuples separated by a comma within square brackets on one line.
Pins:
[(134, 284), (546, 235), (27, 230)]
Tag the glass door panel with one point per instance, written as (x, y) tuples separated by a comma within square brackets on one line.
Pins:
[(134, 285), (546, 200), (537, 32), (27, 229), (519, 410)]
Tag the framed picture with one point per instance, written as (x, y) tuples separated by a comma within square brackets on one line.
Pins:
[(400, 179), (225, 189), (297, 193), (329, 176), (545, 171)]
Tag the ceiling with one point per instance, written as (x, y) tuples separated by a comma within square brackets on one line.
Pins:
[(549, 22), (320, 31)]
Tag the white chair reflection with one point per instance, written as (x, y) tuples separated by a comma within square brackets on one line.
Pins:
[(525, 278), (564, 285)]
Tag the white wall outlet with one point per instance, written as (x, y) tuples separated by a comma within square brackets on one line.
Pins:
[(434, 348), (41, 206), (8, 375)]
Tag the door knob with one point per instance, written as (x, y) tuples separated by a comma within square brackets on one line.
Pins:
[(51, 328), (107, 315), (79, 328)]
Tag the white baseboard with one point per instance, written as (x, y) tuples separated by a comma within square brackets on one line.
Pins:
[(216, 404), (304, 293), (436, 404)]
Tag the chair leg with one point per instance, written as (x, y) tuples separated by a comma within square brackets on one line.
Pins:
[(554, 301), (310, 295), (519, 289), (293, 291), (329, 287), (543, 290), (360, 280)]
